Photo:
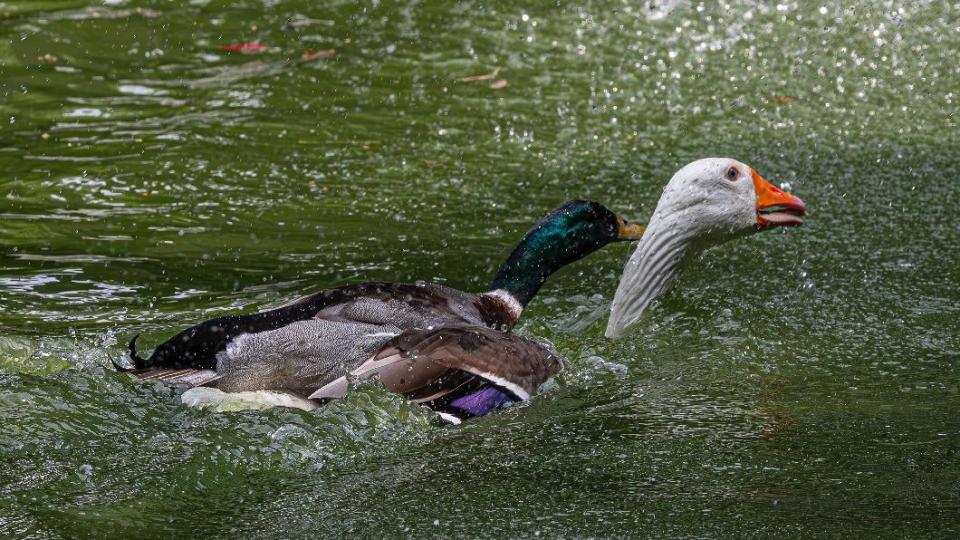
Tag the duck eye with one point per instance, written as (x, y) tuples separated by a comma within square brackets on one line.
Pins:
[(732, 174)]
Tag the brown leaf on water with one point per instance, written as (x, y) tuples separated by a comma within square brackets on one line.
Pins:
[(781, 100), (310, 56), (247, 47), (485, 77), (498, 84)]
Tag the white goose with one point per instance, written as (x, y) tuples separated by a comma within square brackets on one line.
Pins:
[(706, 203)]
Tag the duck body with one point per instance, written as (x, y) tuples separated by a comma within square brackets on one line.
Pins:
[(434, 344), (301, 346)]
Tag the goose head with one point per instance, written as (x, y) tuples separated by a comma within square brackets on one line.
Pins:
[(706, 203)]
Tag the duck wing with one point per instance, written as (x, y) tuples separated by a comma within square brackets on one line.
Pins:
[(398, 305), (300, 356), (439, 364), (295, 358)]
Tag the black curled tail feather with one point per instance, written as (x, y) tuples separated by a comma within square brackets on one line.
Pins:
[(133, 355), (138, 361)]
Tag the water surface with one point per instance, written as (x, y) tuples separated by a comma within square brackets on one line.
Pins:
[(800, 383)]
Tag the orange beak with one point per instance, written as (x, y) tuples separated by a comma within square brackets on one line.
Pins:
[(775, 207)]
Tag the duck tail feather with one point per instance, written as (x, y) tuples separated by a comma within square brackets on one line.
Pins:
[(188, 377), (138, 361)]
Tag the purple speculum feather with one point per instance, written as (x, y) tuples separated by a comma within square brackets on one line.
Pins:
[(482, 401)]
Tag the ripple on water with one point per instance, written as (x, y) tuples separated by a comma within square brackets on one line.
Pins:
[(154, 179)]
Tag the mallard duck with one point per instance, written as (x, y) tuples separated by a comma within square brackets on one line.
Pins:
[(449, 349)]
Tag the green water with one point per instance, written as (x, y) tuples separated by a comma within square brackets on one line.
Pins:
[(802, 383)]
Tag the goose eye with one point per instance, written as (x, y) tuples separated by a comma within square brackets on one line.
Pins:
[(732, 174)]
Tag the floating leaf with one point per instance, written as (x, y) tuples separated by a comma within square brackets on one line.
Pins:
[(486, 77), (310, 56), (248, 47)]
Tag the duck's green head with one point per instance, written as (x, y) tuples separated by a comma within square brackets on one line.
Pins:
[(567, 234)]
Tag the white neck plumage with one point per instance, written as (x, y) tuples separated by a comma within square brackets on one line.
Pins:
[(706, 203), (665, 245)]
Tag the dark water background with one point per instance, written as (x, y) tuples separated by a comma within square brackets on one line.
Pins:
[(799, 383)]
